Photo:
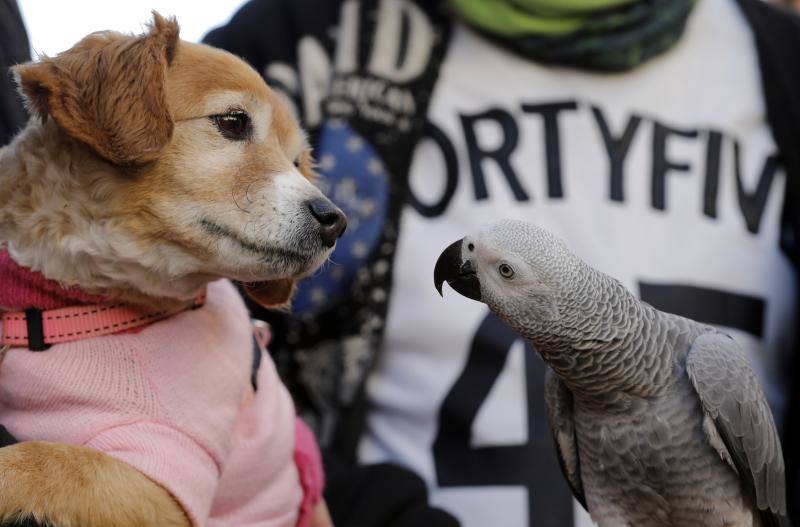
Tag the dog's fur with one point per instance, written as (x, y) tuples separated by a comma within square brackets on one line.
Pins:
[(123, 185), (69, 486)]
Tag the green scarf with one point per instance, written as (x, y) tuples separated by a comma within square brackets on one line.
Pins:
[(601, 35)]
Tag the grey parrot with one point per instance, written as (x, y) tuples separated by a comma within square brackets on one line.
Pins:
[(658, 420)]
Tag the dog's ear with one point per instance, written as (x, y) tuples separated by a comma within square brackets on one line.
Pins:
[(274, 294), (108, 91)]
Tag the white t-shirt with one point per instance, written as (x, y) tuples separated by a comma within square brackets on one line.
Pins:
[(637, 172)]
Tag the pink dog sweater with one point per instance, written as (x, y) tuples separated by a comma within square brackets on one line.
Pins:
[(175, 401)]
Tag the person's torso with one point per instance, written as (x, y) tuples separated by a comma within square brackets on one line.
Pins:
[(665, 178)]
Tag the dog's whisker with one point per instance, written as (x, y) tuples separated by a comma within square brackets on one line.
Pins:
[(247, 192), (233, 197)]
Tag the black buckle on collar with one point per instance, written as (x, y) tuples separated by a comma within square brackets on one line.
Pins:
[(256, 364), (33, 319)]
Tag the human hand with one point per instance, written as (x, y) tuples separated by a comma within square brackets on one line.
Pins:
[(321, 517)]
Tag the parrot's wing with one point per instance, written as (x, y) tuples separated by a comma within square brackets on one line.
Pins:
[(732, 398), (558, 401)]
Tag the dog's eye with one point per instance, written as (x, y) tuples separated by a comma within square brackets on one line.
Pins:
[(234, 125), (297, 162)]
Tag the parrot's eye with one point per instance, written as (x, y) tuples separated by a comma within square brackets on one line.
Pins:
[(506, 271)]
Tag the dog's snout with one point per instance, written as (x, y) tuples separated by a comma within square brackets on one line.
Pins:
[(332, 221)]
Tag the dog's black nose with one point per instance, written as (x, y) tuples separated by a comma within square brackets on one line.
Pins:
[(332, 221)]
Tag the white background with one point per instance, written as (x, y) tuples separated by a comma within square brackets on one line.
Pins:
[(55, 26)]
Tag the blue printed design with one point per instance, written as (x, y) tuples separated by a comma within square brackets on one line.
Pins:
[(354, 177)]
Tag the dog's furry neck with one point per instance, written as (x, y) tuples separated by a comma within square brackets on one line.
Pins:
[(55, 218)]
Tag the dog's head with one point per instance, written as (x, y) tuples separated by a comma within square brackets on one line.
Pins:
[(208, 171)]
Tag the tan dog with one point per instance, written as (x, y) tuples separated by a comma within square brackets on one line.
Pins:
[(152, 167)]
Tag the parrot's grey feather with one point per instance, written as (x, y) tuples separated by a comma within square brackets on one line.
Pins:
[(558, 402), (732, 397)]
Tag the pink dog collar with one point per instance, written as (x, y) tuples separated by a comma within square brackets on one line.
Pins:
[(37, 329)]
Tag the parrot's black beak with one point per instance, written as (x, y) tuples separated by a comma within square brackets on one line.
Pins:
[(460, 274)]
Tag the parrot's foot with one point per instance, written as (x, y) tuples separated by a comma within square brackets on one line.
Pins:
[(61, 485)]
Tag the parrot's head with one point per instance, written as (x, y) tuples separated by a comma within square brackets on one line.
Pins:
[(518, 269)]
